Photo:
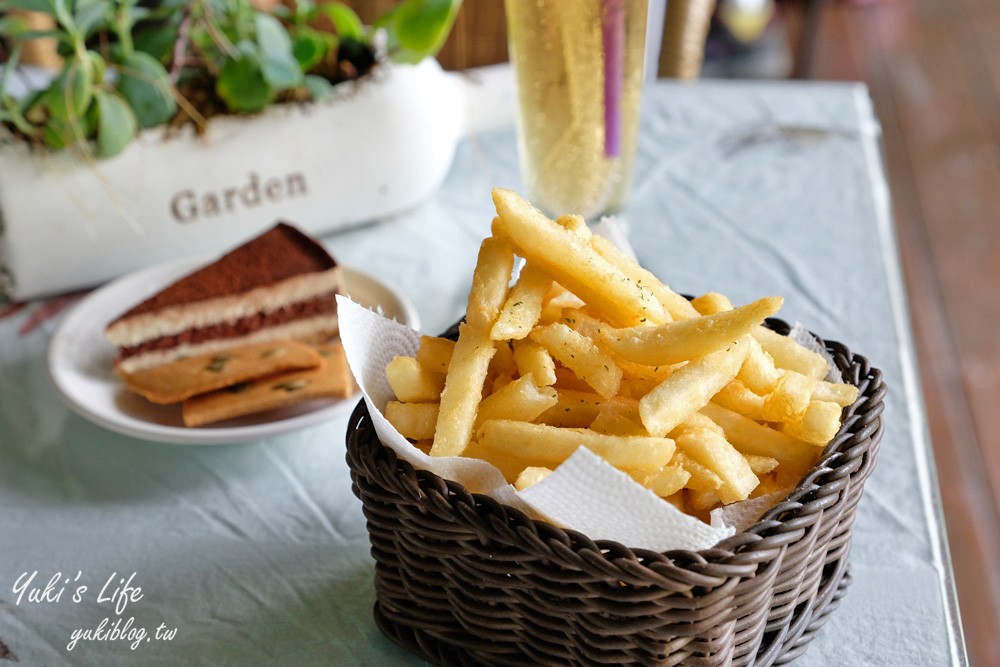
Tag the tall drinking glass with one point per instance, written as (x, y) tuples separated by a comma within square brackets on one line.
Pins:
[(578, 65)]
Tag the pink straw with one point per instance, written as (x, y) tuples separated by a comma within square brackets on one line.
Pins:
[(613, 38)]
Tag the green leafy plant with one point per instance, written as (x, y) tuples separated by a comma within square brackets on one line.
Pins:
[(129, 66)]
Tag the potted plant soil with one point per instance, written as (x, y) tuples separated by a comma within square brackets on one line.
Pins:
[(176, 127)]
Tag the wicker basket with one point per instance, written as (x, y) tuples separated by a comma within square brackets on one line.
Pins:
[(461, 579)]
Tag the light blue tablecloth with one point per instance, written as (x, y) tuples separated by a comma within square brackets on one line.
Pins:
[(257, 553)]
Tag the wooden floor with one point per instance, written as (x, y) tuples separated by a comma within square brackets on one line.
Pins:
[(933, 67)]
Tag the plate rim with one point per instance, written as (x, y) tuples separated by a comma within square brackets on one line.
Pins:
[(173, 435)]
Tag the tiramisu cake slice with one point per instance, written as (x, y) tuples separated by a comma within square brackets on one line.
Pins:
[(279, 285)]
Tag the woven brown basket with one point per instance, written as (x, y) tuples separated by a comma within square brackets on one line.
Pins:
[(462, 579)]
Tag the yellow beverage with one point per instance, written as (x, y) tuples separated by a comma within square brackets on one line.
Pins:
[(578, 65)]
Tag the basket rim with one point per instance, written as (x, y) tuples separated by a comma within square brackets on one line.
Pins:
[(864, 415)]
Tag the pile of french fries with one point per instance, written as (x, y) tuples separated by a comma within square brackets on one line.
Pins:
[(695, 400)]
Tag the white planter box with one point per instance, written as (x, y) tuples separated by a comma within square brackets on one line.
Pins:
[(381, 146)]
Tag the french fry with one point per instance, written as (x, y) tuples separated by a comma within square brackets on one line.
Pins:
[(571, 261), (790, 355), (668, 480), (758, 371), (424, 446), (769, 484), (575, 224), (573, 409), (675, 306), (711, 303), (761, 465), (550, 445), (677, 500), (704, 441), (818, 423), (530, 476), (533, 359), (411, 382), (434, 353), (523, 307), (613, 423), (690, 388), (463, 389), (675, 342), (521, 399), (503, 359), (703, 500), (415, 421), (579, 354), (509, 463), (489, 282), (567, 379), (736, 396), (841, 394), (789, 397), (700, 477), (500, 381), (752, 438)]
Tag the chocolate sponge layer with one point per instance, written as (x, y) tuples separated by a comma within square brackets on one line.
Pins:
[(320, 305)]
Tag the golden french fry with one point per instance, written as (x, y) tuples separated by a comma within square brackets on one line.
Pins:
[(530, 476), (677, 500), (817, 425), (841, 394), (523, 306), (533, 359), (567, 379), (573, 409), (761, 465), (769, 484), (704, 500), (463, 389), (549, 445), (700, 477), (668, 480), (705, 442), (614, 423), (415, 421), (500, 381), (503, 359), (758, 372), (736, 396), (711, 303), (489, 282), (789, 397), (424, 446), (509, 463), (674, 305), (582, 322), (575, 224), (579, 354), (571, 261), (790, 355), (674, 342), (411, 382), (520, 399), (752, 438), (555, 305), (690, 388), (434, 353)]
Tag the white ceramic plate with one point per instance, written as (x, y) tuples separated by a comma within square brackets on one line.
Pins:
[(81, 358)]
